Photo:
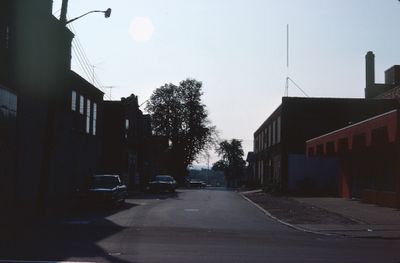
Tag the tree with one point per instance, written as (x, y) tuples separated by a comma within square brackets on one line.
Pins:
[(232, 163), (178, 113)]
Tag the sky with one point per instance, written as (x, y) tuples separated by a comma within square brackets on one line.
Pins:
[(237, 48)]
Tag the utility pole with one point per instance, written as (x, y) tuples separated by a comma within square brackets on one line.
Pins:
[(64, 8)]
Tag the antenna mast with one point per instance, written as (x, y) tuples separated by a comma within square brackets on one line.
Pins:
[(287, 62), (288, 79)]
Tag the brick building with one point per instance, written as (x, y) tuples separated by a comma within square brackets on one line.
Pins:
[(279, 143), (368, 151)]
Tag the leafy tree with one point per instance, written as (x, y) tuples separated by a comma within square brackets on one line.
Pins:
[(179, 114), (232, 163), (220, 165)]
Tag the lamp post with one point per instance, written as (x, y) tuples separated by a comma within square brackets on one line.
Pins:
[(64, 8)]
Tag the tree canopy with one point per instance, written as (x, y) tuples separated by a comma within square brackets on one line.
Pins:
[(231, 162), (179, 114)]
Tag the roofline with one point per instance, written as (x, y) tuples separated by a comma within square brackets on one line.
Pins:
[(353, 125)]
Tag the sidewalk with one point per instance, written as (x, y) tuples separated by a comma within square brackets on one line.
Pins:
[(372, 220), (330, 216)]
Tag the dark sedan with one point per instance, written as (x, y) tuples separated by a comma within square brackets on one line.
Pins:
[(106, 190), (197, 184), (162, 183)]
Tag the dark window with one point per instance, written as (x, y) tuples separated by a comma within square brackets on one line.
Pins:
[(379, 136), (320, 149), (343, 145), (330, 148), (359, 141)]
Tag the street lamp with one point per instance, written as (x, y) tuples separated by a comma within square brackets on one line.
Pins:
[(107, 14), (64, 7)]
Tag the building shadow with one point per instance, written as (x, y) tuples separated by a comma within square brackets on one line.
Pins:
[(58, 242)]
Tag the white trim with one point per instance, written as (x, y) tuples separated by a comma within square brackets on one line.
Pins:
[(353, 125)]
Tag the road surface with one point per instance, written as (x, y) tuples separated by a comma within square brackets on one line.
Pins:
[(199, 225)]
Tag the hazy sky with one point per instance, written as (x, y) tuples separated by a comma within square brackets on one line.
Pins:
[(237, 48)]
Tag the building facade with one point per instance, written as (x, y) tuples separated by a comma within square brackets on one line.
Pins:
[(369, 157), (8, 153), (122, 140), (367, 151), (53, 152), (279, 143)]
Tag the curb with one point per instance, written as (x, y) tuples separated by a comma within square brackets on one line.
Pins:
[(301, 228)]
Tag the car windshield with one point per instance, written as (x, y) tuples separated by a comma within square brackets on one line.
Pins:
[(163, 178), (105, 182)]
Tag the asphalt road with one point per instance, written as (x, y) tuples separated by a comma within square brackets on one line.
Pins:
[(205, 225)]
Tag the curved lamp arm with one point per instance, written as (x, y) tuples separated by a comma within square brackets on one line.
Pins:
[(107, 14)]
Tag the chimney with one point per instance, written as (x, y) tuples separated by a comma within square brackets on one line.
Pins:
[(369, 73), (370, 69)]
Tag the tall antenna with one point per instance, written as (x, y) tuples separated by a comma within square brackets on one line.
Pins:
[(287, 62), (288, 79), (287, 46), (110, 88)]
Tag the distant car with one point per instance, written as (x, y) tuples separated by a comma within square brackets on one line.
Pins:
[(197, 184), (162, 183), (106, 190)]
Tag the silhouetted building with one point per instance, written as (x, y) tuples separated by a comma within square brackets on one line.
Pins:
[(8, 161), (122, 136), (390, 89), (55, 145), (279, 143), (155, 155), (251, 170)]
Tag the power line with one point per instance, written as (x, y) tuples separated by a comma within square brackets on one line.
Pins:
[(84, 62)]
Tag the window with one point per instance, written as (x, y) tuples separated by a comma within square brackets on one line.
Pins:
[(262, 140), (94, 118), (81, 104), (73, 100), (265, 138), (126, 128), (269, 135), (278, 128), (88, 116), (273, 132), (7, 36)]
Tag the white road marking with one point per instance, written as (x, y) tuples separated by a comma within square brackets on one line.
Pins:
[(192, 210)]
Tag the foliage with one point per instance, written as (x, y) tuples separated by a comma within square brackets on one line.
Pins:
[(220, 165), (232, 163), (179, 114)]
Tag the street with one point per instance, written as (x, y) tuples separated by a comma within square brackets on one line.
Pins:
[(198, 225)]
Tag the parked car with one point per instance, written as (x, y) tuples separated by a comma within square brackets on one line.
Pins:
[(197, 184), (162, 183), (106, 190)]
